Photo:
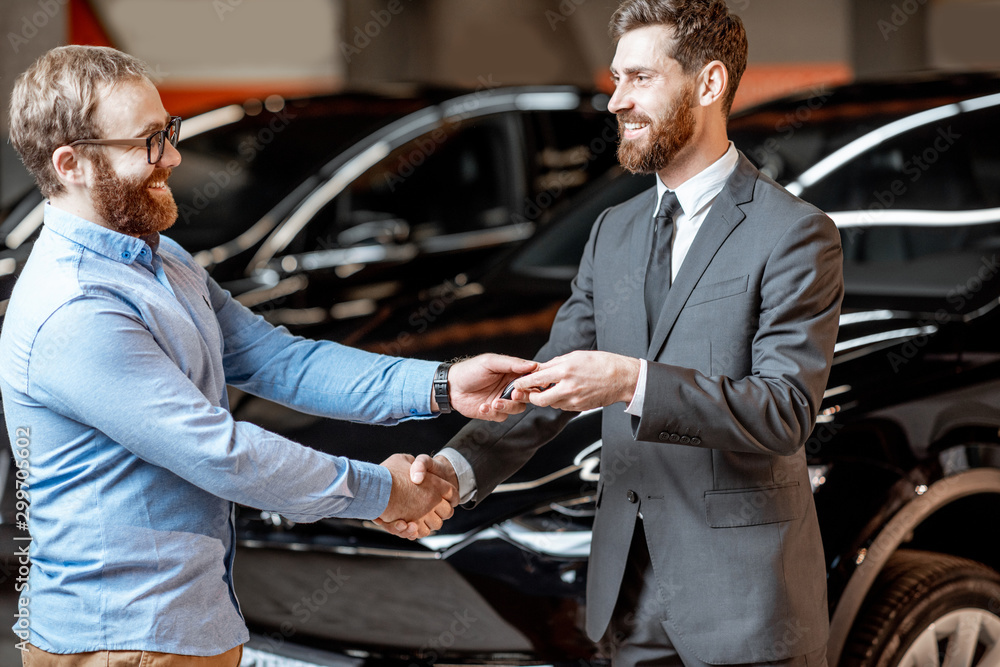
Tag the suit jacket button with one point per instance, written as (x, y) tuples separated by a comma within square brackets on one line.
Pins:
[(664, 436), (674, 437), (685, 440), (632, 496), (695, 441)]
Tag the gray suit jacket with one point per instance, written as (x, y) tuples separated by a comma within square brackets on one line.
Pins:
[(739, 360)]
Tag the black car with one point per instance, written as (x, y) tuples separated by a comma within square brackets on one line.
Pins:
[(904, 459), (361, 196)]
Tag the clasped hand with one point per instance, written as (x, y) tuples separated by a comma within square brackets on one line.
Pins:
[(417, 506), (425, 495)]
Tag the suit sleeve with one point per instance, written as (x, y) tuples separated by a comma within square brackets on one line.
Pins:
[(773, 410), (498, 450)]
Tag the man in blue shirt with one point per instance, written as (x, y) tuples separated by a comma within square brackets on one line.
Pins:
[(114, 360)]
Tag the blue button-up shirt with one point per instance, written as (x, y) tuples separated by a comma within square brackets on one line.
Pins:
[(114, 359)]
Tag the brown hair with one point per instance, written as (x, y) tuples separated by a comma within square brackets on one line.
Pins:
[(704, 31), (54, 100)]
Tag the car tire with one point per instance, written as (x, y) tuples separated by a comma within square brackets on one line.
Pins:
[(928, 609)]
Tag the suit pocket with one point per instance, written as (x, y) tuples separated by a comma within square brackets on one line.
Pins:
[(705, 293), (754, 507)]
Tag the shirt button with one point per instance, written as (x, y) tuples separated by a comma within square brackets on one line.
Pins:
[(413, 411), (632, 496), (664, 436), (675, 438), (685, 440), (695, 441), (126, 255)]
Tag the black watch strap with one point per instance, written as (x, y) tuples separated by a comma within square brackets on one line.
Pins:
[(441, 388)]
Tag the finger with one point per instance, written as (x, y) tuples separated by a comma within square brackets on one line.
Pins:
[(432, 521), (549, 398), (412, 531), (538, 380), (506, 407), (501, 363), (444, 510), (487, 413), (420, 467)]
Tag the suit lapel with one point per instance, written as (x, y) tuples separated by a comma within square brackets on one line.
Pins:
[(724, 216)]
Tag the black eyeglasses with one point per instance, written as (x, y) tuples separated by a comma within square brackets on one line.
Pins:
[(154, 143)]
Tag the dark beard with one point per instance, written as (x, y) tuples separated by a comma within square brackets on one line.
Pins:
[(126, 205), (667, 136)]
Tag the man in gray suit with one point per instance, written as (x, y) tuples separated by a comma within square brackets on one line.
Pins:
[(714, 324)]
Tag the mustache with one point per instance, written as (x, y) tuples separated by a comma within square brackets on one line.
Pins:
[(158, 175), (633, 117)]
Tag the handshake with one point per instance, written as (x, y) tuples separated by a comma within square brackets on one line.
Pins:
[(491, 387), (424, 494)]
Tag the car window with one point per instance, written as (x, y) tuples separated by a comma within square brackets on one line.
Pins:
[(920, 213), (452, 178), (567, 150), (232, 176), (948, 165)]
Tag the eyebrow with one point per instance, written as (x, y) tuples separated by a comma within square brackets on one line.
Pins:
[(154, 126), (634, 69)]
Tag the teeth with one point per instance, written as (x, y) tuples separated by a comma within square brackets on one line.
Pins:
[(635, 126)]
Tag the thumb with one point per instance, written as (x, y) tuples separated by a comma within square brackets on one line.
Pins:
[(420, 467)]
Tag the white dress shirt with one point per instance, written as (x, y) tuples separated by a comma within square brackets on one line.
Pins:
[(696, 196)]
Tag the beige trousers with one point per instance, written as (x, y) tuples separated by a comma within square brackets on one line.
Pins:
[(36, 657)]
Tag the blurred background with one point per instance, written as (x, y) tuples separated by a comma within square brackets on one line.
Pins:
[(205, 53)]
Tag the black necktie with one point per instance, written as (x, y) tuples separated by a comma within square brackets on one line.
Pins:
[(658, 271)]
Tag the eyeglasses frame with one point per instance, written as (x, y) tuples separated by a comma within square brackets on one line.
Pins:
[(174, 123)]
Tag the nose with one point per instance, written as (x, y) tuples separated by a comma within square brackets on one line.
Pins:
[(171, 157), (620, 100)]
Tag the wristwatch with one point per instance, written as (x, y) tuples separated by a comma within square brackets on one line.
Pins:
[(441, 388)]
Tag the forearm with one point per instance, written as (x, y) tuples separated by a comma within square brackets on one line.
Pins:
[(319, 377)]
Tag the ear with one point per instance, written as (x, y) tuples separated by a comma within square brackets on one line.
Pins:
[(71, 167), (712, 84)]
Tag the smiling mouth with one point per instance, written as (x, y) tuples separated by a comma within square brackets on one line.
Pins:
[(635, 127)]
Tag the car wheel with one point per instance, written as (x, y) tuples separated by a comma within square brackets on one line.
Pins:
[(928, 609)]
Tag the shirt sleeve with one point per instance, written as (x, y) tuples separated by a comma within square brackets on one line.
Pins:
[(111, 375), (639, 398), (319, 377), (466, 475)]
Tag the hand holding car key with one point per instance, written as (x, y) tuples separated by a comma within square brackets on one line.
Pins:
[(508, 391)]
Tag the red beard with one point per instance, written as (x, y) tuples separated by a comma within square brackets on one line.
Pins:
[(127, 206), (667, 136)]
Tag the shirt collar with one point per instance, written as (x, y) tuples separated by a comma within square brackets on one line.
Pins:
[(701, 189), (101, 240)]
